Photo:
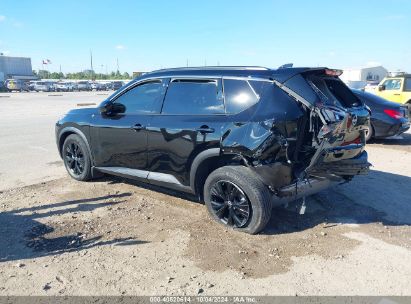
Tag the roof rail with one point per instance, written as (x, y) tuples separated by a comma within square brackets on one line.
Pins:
[(216, 68)]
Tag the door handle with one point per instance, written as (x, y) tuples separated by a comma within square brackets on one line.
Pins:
[(397, 94), (205, 129), (138, 127)]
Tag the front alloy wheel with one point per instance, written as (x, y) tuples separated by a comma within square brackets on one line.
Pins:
[(74, 158)]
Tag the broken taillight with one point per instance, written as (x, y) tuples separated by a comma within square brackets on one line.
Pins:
[(355, 141), (393, 113), (332, 72)]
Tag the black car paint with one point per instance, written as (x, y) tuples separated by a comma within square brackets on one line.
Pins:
[(383, 124), (177, 145)]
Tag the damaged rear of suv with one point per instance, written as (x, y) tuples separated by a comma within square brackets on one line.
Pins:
[(242, 139)]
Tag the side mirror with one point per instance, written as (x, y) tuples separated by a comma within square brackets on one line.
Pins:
[(112, 109), (381, 87)]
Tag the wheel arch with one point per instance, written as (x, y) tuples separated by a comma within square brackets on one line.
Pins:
[(67, 131), (205, 163)]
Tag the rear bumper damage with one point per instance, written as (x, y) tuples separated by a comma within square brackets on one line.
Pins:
[(344, 168), (303, 189), (324, 176)]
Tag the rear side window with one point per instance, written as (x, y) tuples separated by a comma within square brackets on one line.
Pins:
[(193, 96), (239, 95), (407, 86), (145, 98)]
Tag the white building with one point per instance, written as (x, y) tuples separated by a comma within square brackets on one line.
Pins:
[(15, 67), (359, 77)]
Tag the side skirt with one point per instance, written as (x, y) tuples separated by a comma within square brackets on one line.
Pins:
[(154, 178)]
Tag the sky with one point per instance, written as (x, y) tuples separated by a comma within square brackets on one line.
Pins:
[(148, 35)]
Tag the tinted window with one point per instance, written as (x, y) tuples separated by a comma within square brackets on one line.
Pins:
[(144, 98), (392, 84), (238, 95), (407, 86), (187, 96)]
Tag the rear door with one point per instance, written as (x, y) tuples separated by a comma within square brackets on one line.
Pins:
[(191, 121), (121, 140)]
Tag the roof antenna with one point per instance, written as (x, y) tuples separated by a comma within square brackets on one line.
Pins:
[(286, 66)]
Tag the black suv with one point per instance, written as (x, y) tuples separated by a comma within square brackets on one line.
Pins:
[(242, 139)]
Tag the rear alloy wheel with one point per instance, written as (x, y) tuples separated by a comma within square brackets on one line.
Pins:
[(230, 204), (76, 158), (236, 198)]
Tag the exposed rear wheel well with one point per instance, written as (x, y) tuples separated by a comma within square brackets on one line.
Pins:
[(209, 165)]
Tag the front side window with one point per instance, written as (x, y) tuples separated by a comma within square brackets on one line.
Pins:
[(193, 96), (145, 98), (239, 95), (392, 84)]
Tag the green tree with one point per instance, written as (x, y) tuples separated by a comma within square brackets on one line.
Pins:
[(43, 74), (56, 75)]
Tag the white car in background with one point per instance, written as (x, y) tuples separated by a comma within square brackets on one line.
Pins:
[(83, 86), (65, 86), (98, 86), (43, 86), (371, 86)]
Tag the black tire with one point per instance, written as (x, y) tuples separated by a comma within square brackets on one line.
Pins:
[(370, 134), (246, 184), (76, 158), (408, 105)]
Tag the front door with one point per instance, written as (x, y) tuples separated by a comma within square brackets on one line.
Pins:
[(392, 89), (120, 140)]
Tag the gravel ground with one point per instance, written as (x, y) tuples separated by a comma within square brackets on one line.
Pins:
[(114, 236)]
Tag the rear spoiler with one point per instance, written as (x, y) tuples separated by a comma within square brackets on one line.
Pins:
[(283, 74)]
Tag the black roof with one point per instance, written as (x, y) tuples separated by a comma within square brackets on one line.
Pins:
[(280, 75), (400, 76)]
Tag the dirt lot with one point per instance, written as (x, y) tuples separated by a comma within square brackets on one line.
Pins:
[(112, 237)]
